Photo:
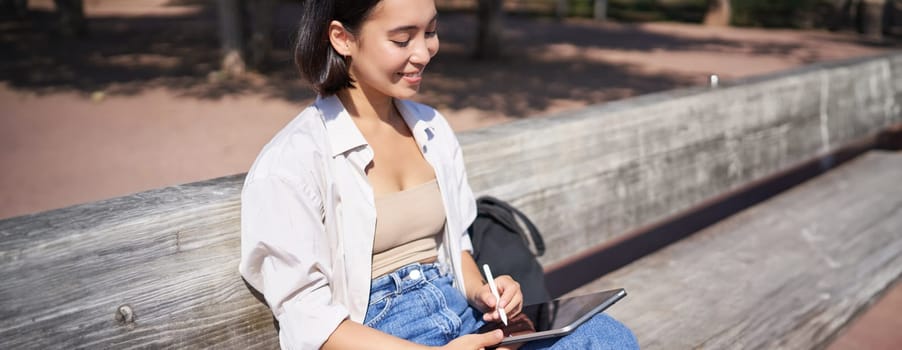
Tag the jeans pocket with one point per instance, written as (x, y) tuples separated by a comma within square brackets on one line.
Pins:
[(377, 311)]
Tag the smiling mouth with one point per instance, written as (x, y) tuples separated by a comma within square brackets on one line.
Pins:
[(412, 75)]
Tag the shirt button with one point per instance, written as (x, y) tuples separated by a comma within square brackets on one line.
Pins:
[(414, 275)]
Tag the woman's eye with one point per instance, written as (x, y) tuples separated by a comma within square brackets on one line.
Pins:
[(401, 43), (431, 34)]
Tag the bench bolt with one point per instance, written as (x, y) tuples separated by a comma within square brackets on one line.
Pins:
[(125, 314)]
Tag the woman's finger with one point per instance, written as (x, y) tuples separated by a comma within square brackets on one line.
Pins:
[(515, 306), (509, 290)]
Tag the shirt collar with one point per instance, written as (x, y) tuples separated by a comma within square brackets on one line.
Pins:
[(419, 123), (343, 133)]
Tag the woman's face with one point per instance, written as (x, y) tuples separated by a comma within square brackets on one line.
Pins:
[(393, 47)]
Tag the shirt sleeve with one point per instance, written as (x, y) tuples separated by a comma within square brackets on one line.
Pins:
[(467, 202), (285, 254)]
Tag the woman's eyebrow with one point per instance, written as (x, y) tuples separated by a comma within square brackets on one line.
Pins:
[(411, 27)]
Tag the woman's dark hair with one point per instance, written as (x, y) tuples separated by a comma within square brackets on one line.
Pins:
[(318, 62)]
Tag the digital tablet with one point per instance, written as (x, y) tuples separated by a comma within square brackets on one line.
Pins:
[(566, 314)]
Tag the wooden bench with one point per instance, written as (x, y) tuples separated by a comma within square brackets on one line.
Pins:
[(787, 273), (158, 269)]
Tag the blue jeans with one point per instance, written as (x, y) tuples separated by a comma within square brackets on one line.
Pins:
[(418, 303)]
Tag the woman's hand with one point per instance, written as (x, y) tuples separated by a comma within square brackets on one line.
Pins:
[(475, 341), (511, 299)]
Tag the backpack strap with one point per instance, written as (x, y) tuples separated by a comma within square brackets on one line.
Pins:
[(533, 230)]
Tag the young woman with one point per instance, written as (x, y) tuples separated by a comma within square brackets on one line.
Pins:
[(354, 216)]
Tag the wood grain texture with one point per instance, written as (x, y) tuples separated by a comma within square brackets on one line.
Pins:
[(171, 255), (585, 177), (785, 274)]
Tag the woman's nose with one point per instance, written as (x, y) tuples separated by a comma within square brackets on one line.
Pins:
[(423, 52)]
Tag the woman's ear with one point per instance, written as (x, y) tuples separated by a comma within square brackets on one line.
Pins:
[(340, 38)]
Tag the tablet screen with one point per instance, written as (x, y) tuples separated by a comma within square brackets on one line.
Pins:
[(566, 314)]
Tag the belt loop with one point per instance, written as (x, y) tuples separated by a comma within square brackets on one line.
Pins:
[(397, 280), (438, 268)]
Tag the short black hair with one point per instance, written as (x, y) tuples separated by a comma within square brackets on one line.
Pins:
[(314, 55)]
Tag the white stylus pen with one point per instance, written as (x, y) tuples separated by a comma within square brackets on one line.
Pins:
[(488, 276)]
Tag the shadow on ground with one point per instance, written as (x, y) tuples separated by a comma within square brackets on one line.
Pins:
[(125, 55)]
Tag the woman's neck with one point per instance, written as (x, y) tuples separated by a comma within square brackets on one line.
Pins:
[(368, 107)]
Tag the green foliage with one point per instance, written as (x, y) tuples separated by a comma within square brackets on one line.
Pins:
[(780, 13), (658, 10), (762, 13)]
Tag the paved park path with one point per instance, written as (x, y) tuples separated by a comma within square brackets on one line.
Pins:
[(135, 107)]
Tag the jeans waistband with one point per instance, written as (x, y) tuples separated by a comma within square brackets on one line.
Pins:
[(403, 279)]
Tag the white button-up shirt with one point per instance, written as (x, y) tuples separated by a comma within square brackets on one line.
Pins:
[(308, 217)]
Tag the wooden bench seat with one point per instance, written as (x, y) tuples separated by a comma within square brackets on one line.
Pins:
[(787, 273), (158, 269)]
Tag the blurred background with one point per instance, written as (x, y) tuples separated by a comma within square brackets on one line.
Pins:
[(102, 98), (107, 97)]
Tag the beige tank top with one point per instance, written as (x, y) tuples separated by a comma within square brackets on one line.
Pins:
[(409, 224)]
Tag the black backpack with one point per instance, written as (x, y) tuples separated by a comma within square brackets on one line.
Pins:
[(500, 242)]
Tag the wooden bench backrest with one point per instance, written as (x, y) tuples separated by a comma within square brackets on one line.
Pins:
[(159, 269)]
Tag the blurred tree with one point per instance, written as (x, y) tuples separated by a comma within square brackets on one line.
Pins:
[(600, 10), (238, 18), (719, 13), (562, 8), (18, 8), (72, 18), (71, 23), (490, 14), (261, 26), (841, 14), (872, 19), (231, 36)]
